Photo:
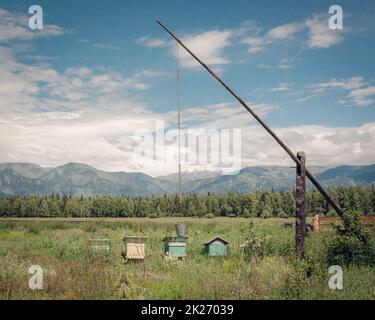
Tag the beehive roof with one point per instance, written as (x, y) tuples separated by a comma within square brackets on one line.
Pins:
[(140, 239), (216, 238), (177, 239)]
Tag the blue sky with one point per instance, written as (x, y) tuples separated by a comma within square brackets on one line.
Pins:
[(99, 65)]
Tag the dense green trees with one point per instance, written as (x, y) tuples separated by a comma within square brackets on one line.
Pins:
[(263, 204)]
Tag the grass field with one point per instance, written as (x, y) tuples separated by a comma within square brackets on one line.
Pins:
[(73, 271)]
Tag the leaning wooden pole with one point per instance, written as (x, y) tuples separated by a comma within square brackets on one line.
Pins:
[(315, 182), (300, 206)]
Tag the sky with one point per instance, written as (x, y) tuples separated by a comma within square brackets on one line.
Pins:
[(99, 74)]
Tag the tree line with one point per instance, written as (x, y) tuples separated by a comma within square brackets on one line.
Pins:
[(264, 204)]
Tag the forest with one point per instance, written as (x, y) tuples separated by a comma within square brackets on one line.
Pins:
[(263, 204)]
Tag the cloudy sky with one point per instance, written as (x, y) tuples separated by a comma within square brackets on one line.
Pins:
[(82, 89)]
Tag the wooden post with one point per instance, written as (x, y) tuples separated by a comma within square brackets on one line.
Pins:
[(300, 206)]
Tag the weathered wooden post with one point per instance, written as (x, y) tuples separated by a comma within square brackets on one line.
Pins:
[(300, 206)]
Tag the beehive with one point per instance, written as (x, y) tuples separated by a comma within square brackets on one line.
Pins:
[(135, 247), (175, 246), (216, 247)]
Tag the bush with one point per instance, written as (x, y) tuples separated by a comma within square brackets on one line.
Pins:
[(352, 244), (303, 274), (261, 246), (282, 214), (255, 245), (177, 214), (209, 215), (265, 214), (34, 228)]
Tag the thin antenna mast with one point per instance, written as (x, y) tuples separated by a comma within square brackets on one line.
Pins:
[(315, 182), (179, 125)]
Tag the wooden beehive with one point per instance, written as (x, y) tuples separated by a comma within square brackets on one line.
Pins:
[(135, 247), (175, 247), (216, 247)]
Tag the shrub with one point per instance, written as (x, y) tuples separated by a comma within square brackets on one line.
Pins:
[(255, 245), (265, 214), (209, 215), (352, 244), (34, 228), (177, 214), (285, 248), (303, 274), (282, 214), (261, 246)]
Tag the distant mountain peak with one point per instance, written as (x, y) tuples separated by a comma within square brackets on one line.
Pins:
[(81, 179)]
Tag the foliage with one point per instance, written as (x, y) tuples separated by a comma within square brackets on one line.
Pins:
[(209, 216), (352, 243), (302, 274), (263, 204), (253, 245), (257, 245)]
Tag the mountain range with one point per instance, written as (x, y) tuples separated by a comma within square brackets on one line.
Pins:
[(80, 179)]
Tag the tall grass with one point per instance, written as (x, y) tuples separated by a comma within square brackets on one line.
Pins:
[(73, 271)]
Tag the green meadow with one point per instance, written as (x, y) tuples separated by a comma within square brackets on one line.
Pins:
[(72, 270)]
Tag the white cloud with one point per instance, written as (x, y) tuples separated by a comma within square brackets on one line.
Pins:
[(347, 84), (284, 86), (283, 32), (80, 72), (358, 90), (25, 88), (147, 73), (57, 115), (255, 44), (14, 26), (209, 46), (105, 46), (106, 142), (79, 114), (323, 145), (100, 131), (226, 115), (153, 42), (320, 35), (283, 64), (304, 99), (360, 96)]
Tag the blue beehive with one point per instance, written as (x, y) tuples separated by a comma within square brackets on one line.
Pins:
[(216, 247), (175, 246)]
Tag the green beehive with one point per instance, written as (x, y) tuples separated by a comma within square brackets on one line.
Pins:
[(175, 246), (216, 247)]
